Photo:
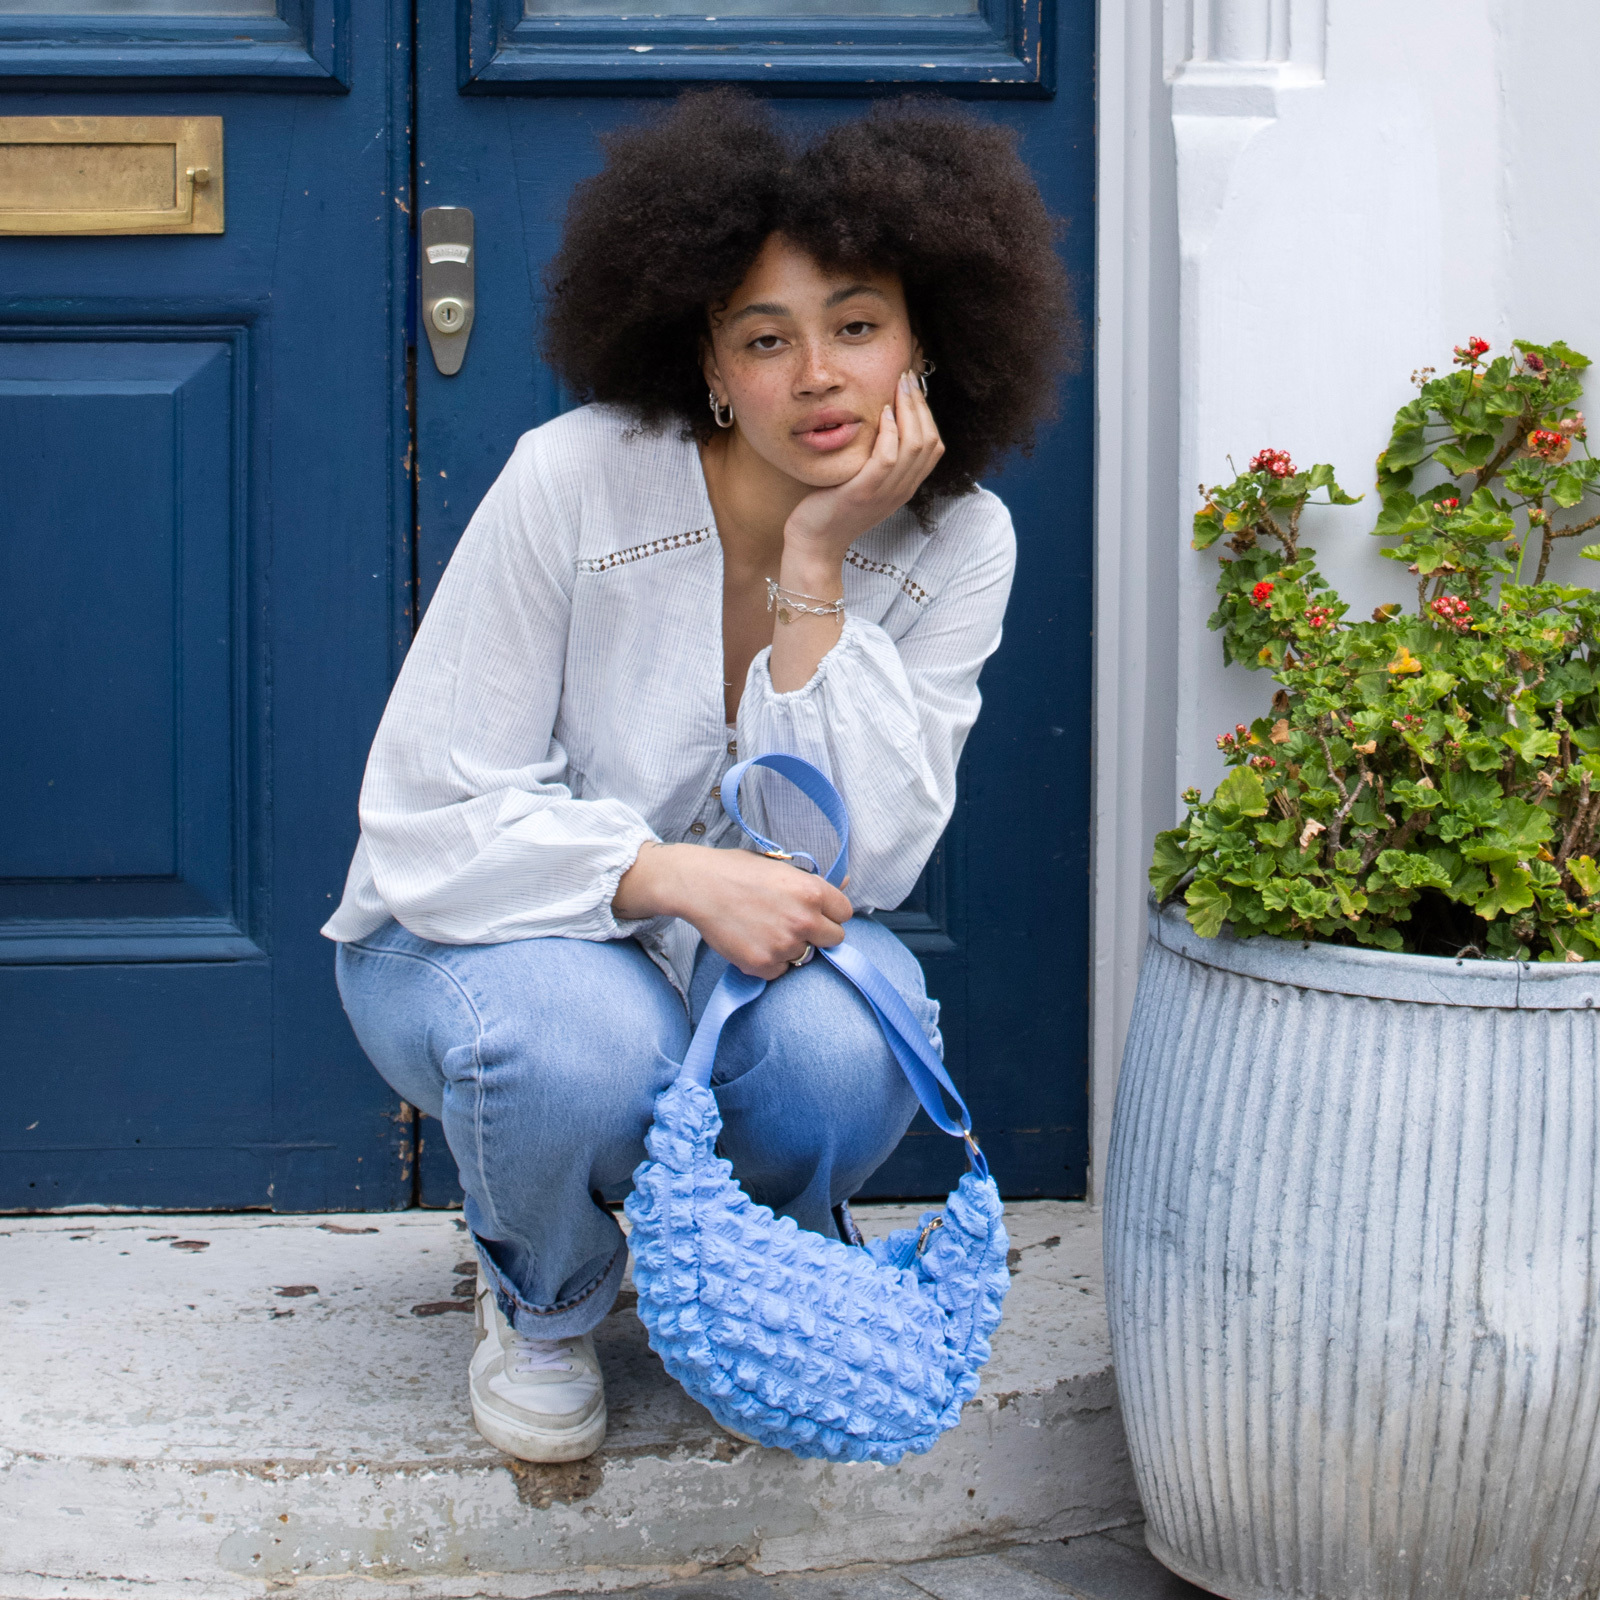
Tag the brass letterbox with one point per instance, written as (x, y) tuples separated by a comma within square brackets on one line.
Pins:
[(110, 175)]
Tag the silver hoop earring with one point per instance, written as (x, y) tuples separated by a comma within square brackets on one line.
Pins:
[(924, 375), (717, 410)]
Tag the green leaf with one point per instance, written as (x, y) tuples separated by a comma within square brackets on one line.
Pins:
[(1457, 460), (1209, 907), (1511, 892), (1276, 835), (1525, 827), (1352, 901), (1321, 477), (1407, 447), (1557, 351), (1412, 871), (1401, 515), (1170, 863), (1207, 528), (1532, 744), (1585, 874), (1567, 490), (1241, 793)]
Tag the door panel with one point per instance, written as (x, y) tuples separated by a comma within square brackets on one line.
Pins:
[(203, 565), (119, 789), (1000, 921)]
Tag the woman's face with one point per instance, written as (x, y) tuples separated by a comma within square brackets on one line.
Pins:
[(808, 357)]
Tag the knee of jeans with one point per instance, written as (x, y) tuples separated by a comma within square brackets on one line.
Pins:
[(602, 1066), (407, 1015)]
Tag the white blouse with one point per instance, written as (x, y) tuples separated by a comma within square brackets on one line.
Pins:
[(563, 703)]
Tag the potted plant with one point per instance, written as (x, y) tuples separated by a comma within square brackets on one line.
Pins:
[(1353, 1200)]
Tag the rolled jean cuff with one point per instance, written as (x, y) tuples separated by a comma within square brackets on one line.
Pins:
[(580, 1313)]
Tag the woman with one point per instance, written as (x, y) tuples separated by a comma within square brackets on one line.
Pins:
[(755, 538)]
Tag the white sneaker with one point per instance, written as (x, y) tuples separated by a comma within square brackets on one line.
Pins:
[(536, 1399)]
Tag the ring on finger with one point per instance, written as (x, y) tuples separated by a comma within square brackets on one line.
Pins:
[(804, 956)]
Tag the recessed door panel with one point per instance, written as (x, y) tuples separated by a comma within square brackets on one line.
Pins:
[(119, 631)]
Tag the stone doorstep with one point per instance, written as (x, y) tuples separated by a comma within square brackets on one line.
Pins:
[(228, 1407)]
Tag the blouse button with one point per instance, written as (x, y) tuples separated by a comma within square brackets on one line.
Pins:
[(733, 747), (697, 827), (716, 791)]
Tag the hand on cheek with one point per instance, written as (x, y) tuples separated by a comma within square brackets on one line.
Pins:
[(905, 450)]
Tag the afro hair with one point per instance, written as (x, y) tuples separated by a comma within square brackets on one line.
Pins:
[(667, 231)]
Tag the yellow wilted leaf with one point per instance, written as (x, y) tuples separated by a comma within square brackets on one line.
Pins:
[(1280, 731), (1405, 662)]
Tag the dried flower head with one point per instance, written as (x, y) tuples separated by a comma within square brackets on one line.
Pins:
[(1548, 444)]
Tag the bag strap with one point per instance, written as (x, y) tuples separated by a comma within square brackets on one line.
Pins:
[(918, 1059)]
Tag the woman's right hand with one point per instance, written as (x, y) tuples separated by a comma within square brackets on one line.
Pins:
[(758, 913)]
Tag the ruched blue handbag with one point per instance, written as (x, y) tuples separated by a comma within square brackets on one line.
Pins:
[(849, 1352)]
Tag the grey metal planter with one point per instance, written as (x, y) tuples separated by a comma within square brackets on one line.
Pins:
[(1352, 1270)]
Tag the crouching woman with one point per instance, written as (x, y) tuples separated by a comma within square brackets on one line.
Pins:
[(763, 533)]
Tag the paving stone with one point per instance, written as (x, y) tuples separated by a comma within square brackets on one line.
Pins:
[(1132, 1536), (1099, 1567), (981, 1578)]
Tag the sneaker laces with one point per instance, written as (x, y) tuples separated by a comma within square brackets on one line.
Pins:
[(540, 1355)]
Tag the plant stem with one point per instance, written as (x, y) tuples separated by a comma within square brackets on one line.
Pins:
[(1552, 533), (1574, 827), (1490, 469)]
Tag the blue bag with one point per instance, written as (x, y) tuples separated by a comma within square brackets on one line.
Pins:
[(803, 1343)]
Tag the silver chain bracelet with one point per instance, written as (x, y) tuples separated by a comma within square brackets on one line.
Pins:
[(789, 602)]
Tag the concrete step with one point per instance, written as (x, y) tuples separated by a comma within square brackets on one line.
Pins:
[(242, 1406)]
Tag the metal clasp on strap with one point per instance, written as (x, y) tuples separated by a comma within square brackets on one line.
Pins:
[(795, 858)]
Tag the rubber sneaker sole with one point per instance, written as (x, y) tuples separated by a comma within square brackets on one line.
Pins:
[(547, 1446)]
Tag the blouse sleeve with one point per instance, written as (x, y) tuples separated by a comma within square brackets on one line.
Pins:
[(470, 841), (887, 718)]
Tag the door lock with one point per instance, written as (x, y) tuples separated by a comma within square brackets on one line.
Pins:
[(446, 240), (448, 315)]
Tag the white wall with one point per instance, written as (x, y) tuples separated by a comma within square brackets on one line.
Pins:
[(1355, 187)]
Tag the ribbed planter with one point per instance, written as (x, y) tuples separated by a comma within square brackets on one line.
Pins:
[(1352, 1273)]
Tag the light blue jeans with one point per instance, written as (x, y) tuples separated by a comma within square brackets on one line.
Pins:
[(543, 1059)]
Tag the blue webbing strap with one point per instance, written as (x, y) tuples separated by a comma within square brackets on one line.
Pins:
[(918, 1060)]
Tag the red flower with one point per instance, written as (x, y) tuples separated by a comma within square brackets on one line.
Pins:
[(1318, 616), (1548, 444), (1534, 363), (1456, 612), (1451, 504), (1276, 462), (1469, 354), (1262, 593)]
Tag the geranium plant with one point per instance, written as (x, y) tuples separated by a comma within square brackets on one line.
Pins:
[(1429, 779)]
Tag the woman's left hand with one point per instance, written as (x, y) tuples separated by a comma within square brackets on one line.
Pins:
[(908, 447)]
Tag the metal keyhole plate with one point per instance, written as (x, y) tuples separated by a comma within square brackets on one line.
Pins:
[(446, 248)]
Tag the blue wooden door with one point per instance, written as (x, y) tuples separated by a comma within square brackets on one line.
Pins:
[(511, 95), (204, 525)]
